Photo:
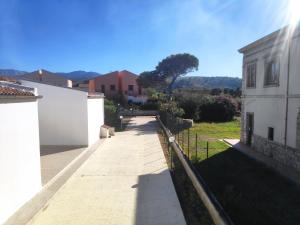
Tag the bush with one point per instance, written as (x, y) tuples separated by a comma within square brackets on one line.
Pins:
[(171, 108), (150, 106), (203, 107), (110, 113), (221, 109)]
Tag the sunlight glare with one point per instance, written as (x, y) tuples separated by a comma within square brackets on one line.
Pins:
[(294, 12)]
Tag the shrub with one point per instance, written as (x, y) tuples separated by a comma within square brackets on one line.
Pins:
[(150, 106), (203, 107), (221, 109), (171, 108), (110, 113)]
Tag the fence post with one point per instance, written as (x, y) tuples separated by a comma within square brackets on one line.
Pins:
[(171, 158), (188, 143), (207, 150), (182, 141), (196, 146)]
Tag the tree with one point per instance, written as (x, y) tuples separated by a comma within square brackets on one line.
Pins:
[(175, 66), (150, 79), (168, 70)]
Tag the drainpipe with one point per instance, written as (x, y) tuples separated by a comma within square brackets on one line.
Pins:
[(290, 39)]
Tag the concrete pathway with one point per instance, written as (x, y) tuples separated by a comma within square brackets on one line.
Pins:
[(231, 142), (56, 158), (125, 181)]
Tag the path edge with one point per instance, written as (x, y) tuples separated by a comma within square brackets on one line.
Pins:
[(24, 214)]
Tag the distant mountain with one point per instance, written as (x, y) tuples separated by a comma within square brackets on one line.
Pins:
[(74, 76), (79, 75), (208, 82), (11, 72)]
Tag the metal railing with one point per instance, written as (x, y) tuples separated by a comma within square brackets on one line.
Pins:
[(216, 211)]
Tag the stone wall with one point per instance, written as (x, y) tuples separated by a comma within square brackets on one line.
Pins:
[(243, 123), (298, 132), (289, 157)]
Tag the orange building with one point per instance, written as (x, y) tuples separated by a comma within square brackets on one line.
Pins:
[(116, 83)]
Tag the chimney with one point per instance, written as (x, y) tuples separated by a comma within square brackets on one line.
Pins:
[(40, 73), (91, 86)]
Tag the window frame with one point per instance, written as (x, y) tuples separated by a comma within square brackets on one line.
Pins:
[(269, 60), (114, 87), (248, 66), (103, 88), (271, 137), (130, 85)]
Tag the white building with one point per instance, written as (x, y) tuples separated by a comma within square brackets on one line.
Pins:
[(20, 173), (68, 116), (271, 96)]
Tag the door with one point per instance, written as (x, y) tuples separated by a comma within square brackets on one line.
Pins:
[(249, 128)]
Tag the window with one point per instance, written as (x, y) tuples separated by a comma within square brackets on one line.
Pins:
[(103, 89), (251, 75), (112, 87), (270, 133), (130, 87), (272, 72), (140, 90)]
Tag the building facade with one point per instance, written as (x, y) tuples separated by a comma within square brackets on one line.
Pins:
[(118, 83), (68, 116), (20, 171), (270, 121)]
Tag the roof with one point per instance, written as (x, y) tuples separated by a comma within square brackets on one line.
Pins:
[(89, 94), (7, 78), (116, 74), (45, 77), (276, 36), (13, 89)]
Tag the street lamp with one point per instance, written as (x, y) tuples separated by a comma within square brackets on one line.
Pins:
[(171, 139), (121, 118)]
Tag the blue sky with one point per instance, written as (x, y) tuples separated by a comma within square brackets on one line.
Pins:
[(107, 35)]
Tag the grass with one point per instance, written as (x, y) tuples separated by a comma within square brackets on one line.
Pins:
[(250, 192), (218, 130), (208, 138), (193, 209)]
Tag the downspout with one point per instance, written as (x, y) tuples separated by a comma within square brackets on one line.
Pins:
[(290, 38)]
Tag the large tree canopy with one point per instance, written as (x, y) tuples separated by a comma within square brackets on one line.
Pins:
[(168, 70)]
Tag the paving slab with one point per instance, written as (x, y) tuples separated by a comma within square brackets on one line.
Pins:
[(125, 181), (56, 158)]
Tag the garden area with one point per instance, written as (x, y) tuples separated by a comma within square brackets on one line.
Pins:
[(204, 139), (250, 192)]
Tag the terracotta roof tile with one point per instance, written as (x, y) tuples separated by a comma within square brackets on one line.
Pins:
[(9, 91)]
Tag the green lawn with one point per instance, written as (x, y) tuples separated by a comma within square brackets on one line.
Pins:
[(218, 130), (208, 138)]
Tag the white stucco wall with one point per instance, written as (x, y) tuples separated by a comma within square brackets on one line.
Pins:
[(272, 117), (63, 118), (95, 118), (269, 103), (20, 177)]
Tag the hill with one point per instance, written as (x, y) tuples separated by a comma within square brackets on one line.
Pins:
[(208, 82), (74, 76), (11, 72), (79, 75)]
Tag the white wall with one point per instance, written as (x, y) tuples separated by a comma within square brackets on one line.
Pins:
[(269, 103), (268, 112), (62, 115), (95, 118), (20, 176)]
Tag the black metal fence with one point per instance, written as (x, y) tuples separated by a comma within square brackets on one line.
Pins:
[(195, 146), (202, 206)]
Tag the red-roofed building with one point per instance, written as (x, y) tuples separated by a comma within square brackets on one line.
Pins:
[(118, 83)]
